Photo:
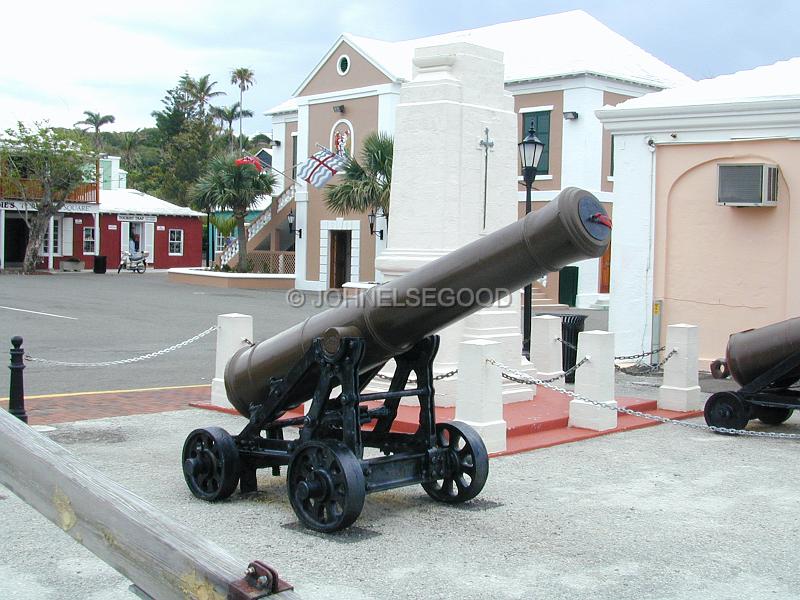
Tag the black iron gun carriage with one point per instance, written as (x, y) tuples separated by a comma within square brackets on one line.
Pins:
[(331, 358), (765, 362)]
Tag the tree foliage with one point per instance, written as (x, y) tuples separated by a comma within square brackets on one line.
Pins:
[(234, 187), (96, 121), (41, 166), (365, 184)]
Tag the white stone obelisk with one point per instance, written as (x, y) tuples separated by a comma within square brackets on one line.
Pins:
[(440, 200)]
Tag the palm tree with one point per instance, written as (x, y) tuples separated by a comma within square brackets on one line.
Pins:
[(95, 121), (228, 114), (365, 185), (129, 142), (236, 187), (200, 90), (244, 78)]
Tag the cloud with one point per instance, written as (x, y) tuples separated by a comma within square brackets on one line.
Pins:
[(62, 58)]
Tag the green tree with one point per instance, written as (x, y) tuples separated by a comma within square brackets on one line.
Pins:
[(226, 115), (96, 121), (184, 158), (244, 78), (366, 184), (200, 90), (41, 166), (235, 187)]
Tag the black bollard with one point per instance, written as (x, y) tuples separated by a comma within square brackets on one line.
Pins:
[(16, 393)]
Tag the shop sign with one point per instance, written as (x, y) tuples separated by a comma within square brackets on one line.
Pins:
[(137, 218), (32, 206)]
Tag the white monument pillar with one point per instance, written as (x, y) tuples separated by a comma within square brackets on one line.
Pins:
[(232, 331), (594, 380), (480, 402), (546, 350), (437, 197), (681, 390)]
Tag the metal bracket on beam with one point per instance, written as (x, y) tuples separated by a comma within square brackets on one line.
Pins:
[(260, 580)]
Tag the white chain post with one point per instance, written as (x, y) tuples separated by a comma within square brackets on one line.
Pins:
[(546, 350), (680, 390), (480, 395), (234, 331), (595, 379)]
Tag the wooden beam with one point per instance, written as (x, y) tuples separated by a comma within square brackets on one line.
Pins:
[(163, 558)]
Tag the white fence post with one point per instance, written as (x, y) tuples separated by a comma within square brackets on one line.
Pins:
[(681, 390), (546, 351), (232, 330), (480, 394), (594, 380)]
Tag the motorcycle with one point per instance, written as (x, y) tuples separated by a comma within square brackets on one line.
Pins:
[(135, 263)]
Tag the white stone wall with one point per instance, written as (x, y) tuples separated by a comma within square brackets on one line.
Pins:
[(631, 297)]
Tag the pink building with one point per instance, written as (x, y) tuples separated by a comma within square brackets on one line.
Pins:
[(706, 228)]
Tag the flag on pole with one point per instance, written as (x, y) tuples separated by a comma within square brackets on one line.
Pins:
[(320, 167)]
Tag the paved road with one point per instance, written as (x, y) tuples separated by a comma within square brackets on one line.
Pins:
[(656, 513), (119, 316)]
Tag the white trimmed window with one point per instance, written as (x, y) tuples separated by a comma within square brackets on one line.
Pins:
[(176, 242), (343, 64), (220, 241), (45, 249), (88, 240)]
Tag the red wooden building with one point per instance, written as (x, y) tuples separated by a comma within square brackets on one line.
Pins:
[(85, 228)]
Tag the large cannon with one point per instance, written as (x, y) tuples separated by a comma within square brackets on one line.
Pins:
[(765, 362), (331, 357)]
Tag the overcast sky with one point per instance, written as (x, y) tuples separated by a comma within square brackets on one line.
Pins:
[(58, 59)]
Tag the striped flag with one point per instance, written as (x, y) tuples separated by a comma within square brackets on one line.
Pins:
[(318, 169)]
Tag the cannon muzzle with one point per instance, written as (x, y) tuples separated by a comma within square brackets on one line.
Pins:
[(392, 317), (752, 352)]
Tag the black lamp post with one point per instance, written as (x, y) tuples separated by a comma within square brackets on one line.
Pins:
[(291, 218), (371, 217), (530, 151)]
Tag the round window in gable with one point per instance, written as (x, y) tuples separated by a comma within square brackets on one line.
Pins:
[(343, 64)]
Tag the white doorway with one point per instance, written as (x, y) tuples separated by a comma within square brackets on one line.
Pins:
[(144, 236)]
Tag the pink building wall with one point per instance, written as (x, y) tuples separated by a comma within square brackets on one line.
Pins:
[(724, 268)]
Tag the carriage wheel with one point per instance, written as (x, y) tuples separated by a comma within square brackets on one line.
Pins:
[(467, 464), (772, 415), (326, 485), (211, 463), (726, 409)]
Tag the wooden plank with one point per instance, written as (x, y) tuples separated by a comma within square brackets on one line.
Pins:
[(163, 558)]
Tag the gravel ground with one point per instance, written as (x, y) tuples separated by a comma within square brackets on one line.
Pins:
[(655, 513)]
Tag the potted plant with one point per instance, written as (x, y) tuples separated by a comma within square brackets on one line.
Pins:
[(70, 263)]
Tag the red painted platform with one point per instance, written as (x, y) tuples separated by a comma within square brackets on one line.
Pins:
[(538, 423)]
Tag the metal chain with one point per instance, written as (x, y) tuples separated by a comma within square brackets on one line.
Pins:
[(567, 344), (641, 369), (641, 354), (625, 357), (412, 380), (642, 415), (123, 361), (521, 377)]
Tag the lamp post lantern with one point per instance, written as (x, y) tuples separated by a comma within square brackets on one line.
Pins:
[(530, 151)]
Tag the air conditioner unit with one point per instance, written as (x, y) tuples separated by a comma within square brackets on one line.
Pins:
[(747, 185)]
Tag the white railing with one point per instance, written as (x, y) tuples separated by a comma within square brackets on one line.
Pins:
[(263, 219)]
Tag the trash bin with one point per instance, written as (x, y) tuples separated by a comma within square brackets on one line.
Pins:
[(100, 263), (571, 326)]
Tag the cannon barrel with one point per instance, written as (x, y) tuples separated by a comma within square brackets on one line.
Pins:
[(392, 317), (752, 352)]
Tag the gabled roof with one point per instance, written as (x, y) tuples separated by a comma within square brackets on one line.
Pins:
[(349, 39), (130, 201), (778, 81), (568, 43), (559, 45)]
